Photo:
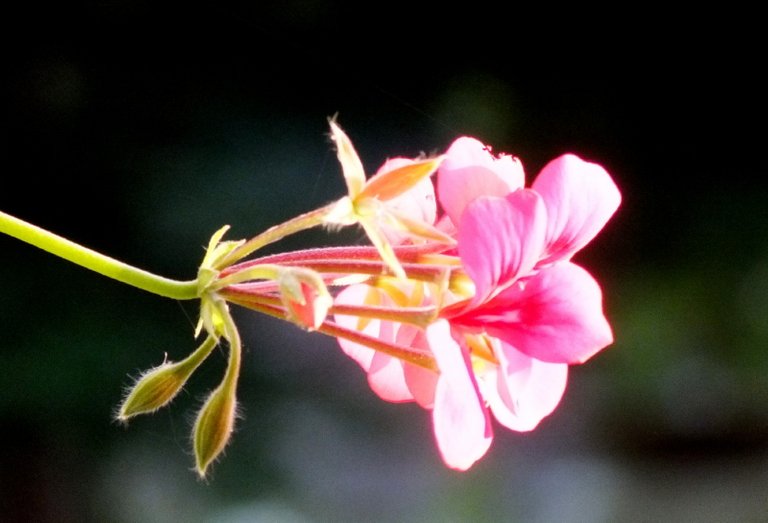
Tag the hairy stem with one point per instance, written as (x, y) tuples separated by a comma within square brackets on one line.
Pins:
[(275, 233)]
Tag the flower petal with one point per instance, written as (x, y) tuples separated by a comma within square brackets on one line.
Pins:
[(555, 316), (421, 382), (385, 373), (386, 377), (580, 198), (397, 178), (418, 202), (526, 389), (469, 170), (460, 420), (390, 378), (501, 239)]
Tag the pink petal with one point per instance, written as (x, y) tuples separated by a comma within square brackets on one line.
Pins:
[(460, 420), (355, 295), (386, 378), (385, 373), (526, 389), (421, 382), (501, 239), (469, 170), (580, 198), (555, 316), (417, 203)]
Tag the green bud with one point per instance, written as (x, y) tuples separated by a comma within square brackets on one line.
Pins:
[(157, 387), (216, 419), (214, 425)]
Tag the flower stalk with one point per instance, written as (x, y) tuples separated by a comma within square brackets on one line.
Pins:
[(95, 261)]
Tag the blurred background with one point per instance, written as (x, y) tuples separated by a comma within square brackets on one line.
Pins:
[(139, 130)]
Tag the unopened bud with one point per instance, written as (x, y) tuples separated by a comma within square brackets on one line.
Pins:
[(214, 425), (305, 296), (157, 387)]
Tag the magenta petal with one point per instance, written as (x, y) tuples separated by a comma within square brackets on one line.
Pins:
[(527, 390), (580, 198), (460, 420), (555, 316), (501, 239), (469, 170)]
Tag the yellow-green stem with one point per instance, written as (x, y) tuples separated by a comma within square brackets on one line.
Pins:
[(95, 261)]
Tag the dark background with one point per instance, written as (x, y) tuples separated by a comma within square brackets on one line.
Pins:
[(139, 130)]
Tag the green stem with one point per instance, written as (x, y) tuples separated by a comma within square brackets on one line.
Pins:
[(235, 348), (97, 262)]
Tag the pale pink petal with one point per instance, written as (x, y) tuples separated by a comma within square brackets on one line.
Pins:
[(470, 170), (526, 390), (385, 373), (386, 377), (580, 198), (501, 239), (554, 316), (460, 420), (355, 295), (421, 382), (418, 203)]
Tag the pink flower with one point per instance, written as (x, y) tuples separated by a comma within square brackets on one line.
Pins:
[(504, 349), (533, 311)]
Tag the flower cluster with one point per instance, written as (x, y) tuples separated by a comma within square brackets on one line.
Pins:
[(467, 302)]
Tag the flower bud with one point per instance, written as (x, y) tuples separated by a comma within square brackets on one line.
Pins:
[(214, 425), (305, 297), (158, 386), (153, 390)]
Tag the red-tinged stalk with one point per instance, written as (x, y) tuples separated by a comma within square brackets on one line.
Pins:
[(418, 316), (407, 254), (271, 306)]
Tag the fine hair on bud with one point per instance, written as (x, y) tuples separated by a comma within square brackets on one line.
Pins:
[(153, 390), (157, 387), (213, 427)]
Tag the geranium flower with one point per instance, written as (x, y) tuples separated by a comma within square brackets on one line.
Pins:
[(533, 312), (504, 349)]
